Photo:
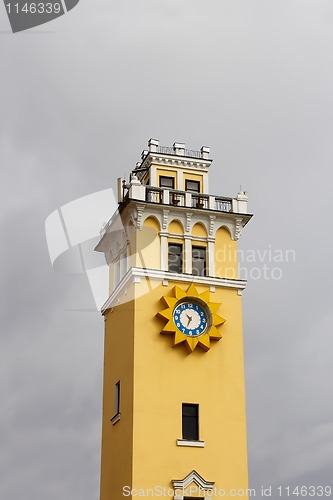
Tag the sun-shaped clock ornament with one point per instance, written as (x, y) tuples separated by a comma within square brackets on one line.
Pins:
[(191, 318)]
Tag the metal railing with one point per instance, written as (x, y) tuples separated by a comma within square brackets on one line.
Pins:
[(168, 150)]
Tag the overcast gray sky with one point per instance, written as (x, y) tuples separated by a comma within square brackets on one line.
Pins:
[(80, 97)]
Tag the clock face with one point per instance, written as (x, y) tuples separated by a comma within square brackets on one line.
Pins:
[(190, 318)]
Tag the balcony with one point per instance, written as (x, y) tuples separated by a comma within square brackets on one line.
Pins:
[(176, 198)]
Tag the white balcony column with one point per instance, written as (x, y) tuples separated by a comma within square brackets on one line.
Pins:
[(180, 180), (136, 190), (211, 260), (211, 203), (188, 200), (234, 205), (187, 255), (242, 198), (205, 186), (164, 252), (153, 178), (166, 197)]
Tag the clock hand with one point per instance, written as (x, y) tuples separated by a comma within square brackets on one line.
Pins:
[(189, 320)]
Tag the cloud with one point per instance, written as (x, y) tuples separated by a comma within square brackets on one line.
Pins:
[(253, 81)]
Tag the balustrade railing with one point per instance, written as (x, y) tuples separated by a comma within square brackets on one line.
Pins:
[(223, 204), (185, 199), (200, 201), (154, 194), (177, 198)]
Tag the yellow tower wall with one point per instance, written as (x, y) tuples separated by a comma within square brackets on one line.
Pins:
[(117, 439), (140, 450), (166, 377)]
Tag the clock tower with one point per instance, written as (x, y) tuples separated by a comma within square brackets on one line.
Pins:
[(174, 423)]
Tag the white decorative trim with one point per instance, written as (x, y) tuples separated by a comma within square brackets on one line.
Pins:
[(185, 162), (174, 235), (187, 255), (186, 442), (186, 236), (180, 485), (164, 252), (211, 258), (211, 224), (118, 246), (115, 418), (140, 209), (153, 177), (166, 197), (188, 221), (238, 228), (180, 178), (165, 219), (197, 238), (134, 273)]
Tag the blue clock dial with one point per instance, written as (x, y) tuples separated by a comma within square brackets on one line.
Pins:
[(190, 318)]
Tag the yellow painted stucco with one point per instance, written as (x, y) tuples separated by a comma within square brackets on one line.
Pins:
[(192, 177), (199, 230), (226, 262), (167, 173), (175, 227), (166, 377), (172, 172), (140, 450), (117, 440), (149, 245)]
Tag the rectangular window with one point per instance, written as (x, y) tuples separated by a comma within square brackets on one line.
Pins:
[(175, 258), (199, 261), (192, 186), (117, 398), (167, 182), (190, 421)]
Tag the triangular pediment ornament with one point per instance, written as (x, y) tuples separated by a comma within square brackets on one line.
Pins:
[(193, 477)]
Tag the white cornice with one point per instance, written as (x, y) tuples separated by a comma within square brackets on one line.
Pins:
[(135, 274), (163, 159)]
